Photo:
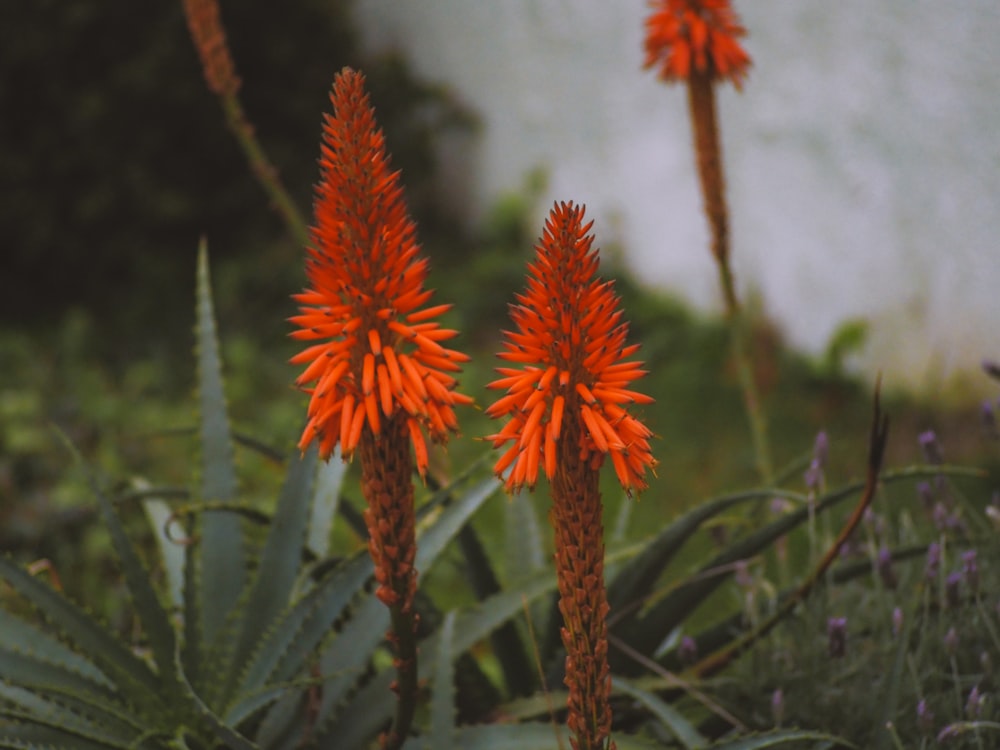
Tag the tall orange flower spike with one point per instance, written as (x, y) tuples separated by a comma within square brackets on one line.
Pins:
[(699, 35), (381, 376), (380, 356), (570, 342), (566, 402)]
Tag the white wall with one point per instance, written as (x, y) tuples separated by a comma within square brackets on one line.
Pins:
[(863, 156)]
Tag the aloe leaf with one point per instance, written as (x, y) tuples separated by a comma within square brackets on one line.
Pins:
[(779, 738), (373, 704), (529, 736), (230, 738), (443, 691), (25, 736), (221, 561), (323, 508), (172, 554), (280, 559), (670, 717), (634, 580), (435, 530), (284, 647), (40, 692), (518, 671), (24, 636), (41, 717), (26, 670), (110, 655), (645, 634), (155, 623), (524, 551)]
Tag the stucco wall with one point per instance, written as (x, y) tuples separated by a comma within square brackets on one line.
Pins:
[(863, 156)]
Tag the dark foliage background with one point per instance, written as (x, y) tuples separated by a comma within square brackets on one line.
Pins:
[(115, 158)]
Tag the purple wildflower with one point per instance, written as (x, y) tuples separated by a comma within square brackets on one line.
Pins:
[(931, 447), (885, 569), (952, 589), (970, 568), (925, 718), (836, 631), (951, 641), (897, 622), (778, 706), (687, 652), (933, 561)]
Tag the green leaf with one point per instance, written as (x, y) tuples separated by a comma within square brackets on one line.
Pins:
[(529, 736), (109, 654), (323, 508), (280, 560), (221, 567), (286, 645), (155, 623), (645, 634), (670, 717), (434, 531), (635, 580), (28, 638), (524, 551), (443, 691), (172, 554), (778, 738)]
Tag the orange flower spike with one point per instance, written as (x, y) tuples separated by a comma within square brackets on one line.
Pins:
[(696, 35), (566, 409), (379, 343), (209, 38), (555, 328)]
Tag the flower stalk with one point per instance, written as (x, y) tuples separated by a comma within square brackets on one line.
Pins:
[(377, 374), (696, 41), (566, 403), (209, 37)]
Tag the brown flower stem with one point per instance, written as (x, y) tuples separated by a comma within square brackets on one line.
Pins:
[(263, 169), (209, 37), (386, 480), (576, 516), (708, 149)]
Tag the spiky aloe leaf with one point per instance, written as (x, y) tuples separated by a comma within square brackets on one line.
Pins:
[(30, 639), (155, 623), (434, 531), (280, 560), (780, 738), (635, 580), (109, 654), (283, 649), (47, 701), (442, 732), (39, 717), (529, 736), (221, 564), (670, 717), (172, 554), (325, 500), (646, 633)]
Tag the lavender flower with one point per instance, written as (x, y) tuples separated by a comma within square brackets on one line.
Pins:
[(885, 569), (926, 494), (836, 631), (933, 561), (778, 706), (897, 622), (970, 568), (974, 703), (952, 589), (687, 652), (951, 641), (821, 449), (925, 718), (931, 447), (988, 419)]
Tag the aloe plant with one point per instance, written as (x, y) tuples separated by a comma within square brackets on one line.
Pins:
[(253, 655)]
